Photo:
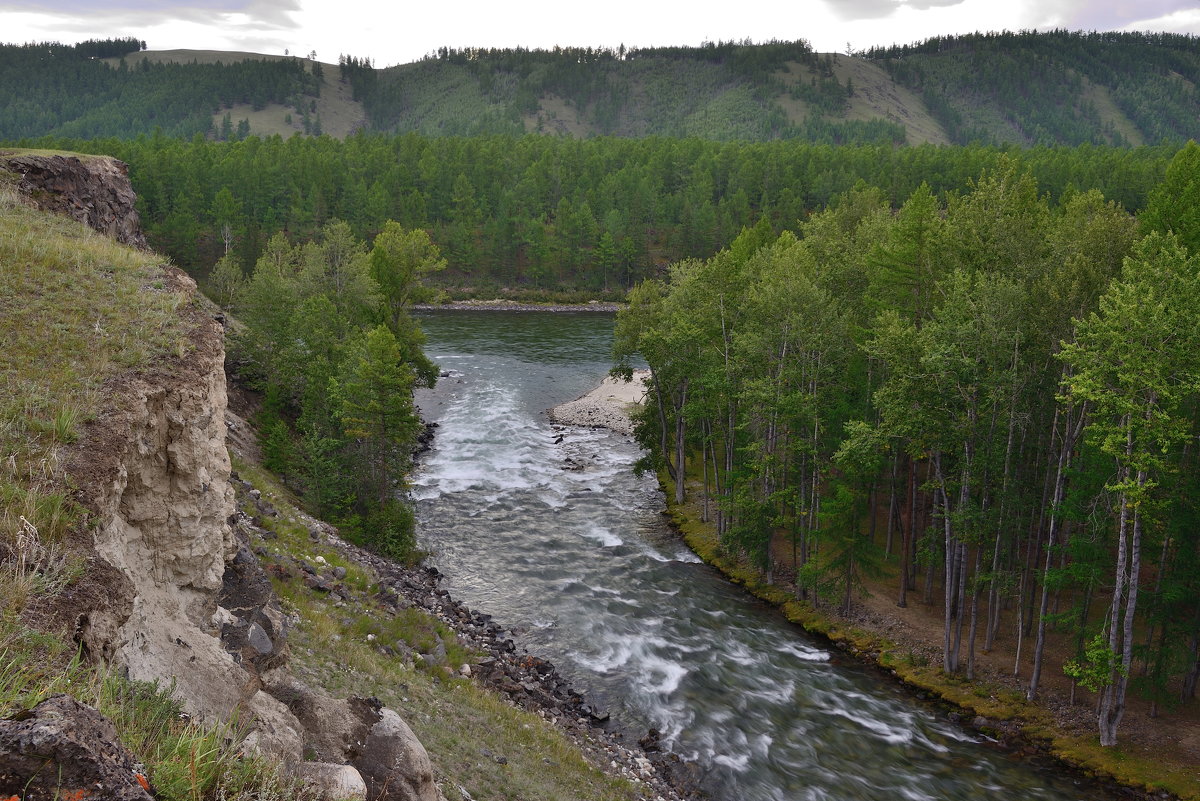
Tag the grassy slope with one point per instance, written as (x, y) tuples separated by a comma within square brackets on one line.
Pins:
[(463, 726), (340, 114), (441, 94), (876, 96), (1125, 764), (76, 309)]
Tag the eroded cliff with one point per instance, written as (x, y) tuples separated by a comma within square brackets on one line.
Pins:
[(171, 592)]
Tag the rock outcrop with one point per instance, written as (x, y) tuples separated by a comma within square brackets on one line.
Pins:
[(94, 191), (63, 749)]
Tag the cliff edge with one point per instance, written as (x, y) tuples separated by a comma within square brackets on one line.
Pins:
[(169, 591)]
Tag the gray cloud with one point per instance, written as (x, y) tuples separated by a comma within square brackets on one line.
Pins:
[(924, 5), (1106, 15), (80, 14), (862, 9), (878, 9)]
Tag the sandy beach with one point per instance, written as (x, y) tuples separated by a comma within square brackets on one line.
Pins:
[(606, 406)]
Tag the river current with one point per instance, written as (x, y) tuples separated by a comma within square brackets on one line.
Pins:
[(549, 530)]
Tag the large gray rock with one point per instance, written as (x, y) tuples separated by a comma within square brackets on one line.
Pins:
[(64, 749), (333, 782), (394, 764)]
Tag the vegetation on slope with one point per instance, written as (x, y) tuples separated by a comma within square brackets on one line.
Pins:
[(65, 90), (1055, 87), (79, 309)]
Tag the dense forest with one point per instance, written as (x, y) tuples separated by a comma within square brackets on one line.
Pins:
[(992, 398), (550, 212), (66, 90), (1027, 89), (1052, 87), (325, 336)]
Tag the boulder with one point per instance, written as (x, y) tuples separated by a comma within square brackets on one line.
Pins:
[(64, 749), (394, 764), (333, 782)]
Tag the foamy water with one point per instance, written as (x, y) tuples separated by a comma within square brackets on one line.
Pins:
[(549, 530)]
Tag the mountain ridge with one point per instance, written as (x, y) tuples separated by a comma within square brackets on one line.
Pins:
[(1027, 88)]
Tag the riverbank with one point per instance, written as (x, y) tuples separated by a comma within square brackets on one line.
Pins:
[(1151, 761), (989, 706), (606, 406), (364, 625)]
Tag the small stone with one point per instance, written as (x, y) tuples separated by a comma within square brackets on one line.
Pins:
[(465, 671), (259, 639)]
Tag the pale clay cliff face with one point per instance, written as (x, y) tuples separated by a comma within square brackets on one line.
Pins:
[(154, 472)]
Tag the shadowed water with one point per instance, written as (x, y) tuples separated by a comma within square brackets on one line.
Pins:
[(561, 540)]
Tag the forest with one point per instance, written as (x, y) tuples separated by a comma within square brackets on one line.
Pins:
[(1048, 87), (550, 213), (66, 90), (988, 400)]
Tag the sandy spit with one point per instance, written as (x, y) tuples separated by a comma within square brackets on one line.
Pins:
[(606, 406)]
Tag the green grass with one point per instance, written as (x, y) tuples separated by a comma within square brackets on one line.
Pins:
[(183, 761), (75, 309), (339, 645)]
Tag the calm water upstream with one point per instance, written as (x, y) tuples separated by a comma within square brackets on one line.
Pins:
[(561, 541)]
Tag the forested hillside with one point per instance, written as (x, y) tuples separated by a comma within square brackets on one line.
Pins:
[(1061, 87), (550, 212), (71, 90), (1054, 88)]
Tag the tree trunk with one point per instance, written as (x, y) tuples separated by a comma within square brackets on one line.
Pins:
[(1070, 433), (974, 617), (680, 444)]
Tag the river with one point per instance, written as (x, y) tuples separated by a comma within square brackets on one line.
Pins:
[(550, 531)]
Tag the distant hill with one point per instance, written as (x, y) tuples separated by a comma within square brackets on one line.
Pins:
[(1055, 88)]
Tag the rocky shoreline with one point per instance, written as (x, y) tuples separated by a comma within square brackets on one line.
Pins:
[(526, 680), (531, 682)]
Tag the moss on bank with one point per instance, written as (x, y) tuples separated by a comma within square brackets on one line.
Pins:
[(1033, 724)]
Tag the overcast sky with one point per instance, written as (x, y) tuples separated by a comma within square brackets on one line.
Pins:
[(395, 32)]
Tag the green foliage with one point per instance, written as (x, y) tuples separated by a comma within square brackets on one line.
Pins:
[(1048, 87), (1094, 670), (338, 419)]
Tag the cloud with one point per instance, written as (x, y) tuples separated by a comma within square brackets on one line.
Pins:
[(925, 5), (1107, 15), (849, 10), (136, 14)]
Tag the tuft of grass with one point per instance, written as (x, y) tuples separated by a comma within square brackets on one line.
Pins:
[(183, 761)]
